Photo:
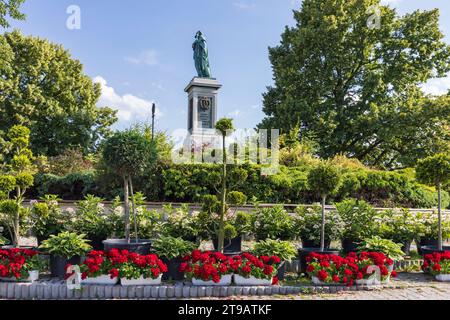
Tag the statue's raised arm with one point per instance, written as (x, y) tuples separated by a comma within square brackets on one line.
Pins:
[(201, 56)]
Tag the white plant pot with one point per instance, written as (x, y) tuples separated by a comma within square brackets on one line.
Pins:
[(32, 277), (251, 281), (101, 280), (224, 281), (442, 277), (141, 281)]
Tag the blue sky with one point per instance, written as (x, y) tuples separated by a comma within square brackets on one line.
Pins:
[(140, 50)]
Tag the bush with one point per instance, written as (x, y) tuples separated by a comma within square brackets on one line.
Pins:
[(358, 218), (285, 250), (272, 223)]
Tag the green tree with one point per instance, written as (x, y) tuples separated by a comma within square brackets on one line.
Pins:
[(224, 126), (10, 8), (129, 153), (356, 89), (435, 171), (45, 89), (324, 179), (18, 177)]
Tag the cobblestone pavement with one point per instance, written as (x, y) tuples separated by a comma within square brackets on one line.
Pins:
[(409, 286)]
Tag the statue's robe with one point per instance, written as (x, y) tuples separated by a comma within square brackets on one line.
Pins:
[(201, 58)]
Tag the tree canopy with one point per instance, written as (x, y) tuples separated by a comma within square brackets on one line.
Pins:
[(10, 8), (356, 90), (44, 88)]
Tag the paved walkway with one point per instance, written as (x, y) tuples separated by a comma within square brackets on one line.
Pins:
[(410, 286)]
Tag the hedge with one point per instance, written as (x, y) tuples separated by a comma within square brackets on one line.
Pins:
[(188, 183)]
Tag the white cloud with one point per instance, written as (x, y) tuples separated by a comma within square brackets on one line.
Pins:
[(241, 5), (390, 2), (130, 108), (147, 57), (437, 86), (235, 113)]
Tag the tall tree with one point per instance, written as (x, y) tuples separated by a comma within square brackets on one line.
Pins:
[(10, 8), (45, 89), (355, 89)]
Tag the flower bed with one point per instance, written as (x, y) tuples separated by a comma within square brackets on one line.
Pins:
[(19, 265), (359, 269), (438, 264)]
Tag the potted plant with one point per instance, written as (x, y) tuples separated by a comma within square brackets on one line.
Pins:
[(91, 218), (129, 153), (99, 268), (285, 250), (180, 223), (438, 264), (65, 248), (359, 222), (330, 269), (48, 217), (399, 225), (250, 270), (207, 268), (435, 171), (369, 264), (389, 248), (138, 270), (427, 229), (171, 251), (272, 223), (20, 265)]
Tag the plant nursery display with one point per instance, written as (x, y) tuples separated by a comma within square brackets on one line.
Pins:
[(391, 249), (438, 264), (65, 248), (100, 268), (272, 223), (20, 265), (252, 270), (208, 268)]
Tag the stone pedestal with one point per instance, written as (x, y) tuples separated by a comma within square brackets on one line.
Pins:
[(202, 111)]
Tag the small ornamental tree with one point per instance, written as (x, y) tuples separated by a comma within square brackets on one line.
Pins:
[(129, 153), (17, 177), (324, 179), (435, 171), (225, 127)]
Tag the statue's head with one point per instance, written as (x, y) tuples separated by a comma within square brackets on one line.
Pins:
[(199, 34)]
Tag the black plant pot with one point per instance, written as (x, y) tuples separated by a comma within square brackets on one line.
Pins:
[(426, 243), (432, 249), (173, 272), (96, 242), (281, 271), (349, 245), (58, 264), (303, 253), (315, 244), (230, 245), (143, 246)]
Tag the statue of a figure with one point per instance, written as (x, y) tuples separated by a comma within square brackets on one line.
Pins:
[(201, 56)]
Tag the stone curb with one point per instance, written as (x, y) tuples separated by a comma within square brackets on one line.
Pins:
[(59, 291)]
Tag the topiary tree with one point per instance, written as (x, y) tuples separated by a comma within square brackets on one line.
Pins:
[(18, 176), (324, 179), (225, 127), (129, 153), (435, 171)]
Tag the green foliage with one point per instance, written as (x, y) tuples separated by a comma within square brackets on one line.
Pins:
[(236, 198), (357, 89), (10, 8), (324, 179), (48, 217), (69, 162), (427, 226), (358, 218), (171, 248), (129, 152), (48, 92), (399, 225), (74, 186), (7, 183), (308, 222), (66, 244), (180, 223), (283, 249), (388, 247), (272, 223), (225, 126), (434, 170)]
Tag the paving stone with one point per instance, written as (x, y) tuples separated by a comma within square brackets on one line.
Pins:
[(223, 292), (216, 292), (209, 291), (139, 292), (260, 291), (48, 291), (55, 291), (231, 291), (147, 292), (238, 291), (116, 292), (275, 290), (178, 292), (62, 291), (268, 291), (33, 291), (123, 292), (131, 292), (170, 292), (253, 291), (162, 292), (193, 292), (245, 291), (201, 291), (108, 292), (186, 291), (17, 291), (40, 291), (155, 292), (26, 291)]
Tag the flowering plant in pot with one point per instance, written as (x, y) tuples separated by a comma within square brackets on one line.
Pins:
[(399, 225), (252, 270), (369, 263), (438, 264), (99, 268), (136, 269), (208, 268), (427, 227), (331, 269), (20, 265), (48, 217), (272, 223), (171, 251), (180, 222)]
